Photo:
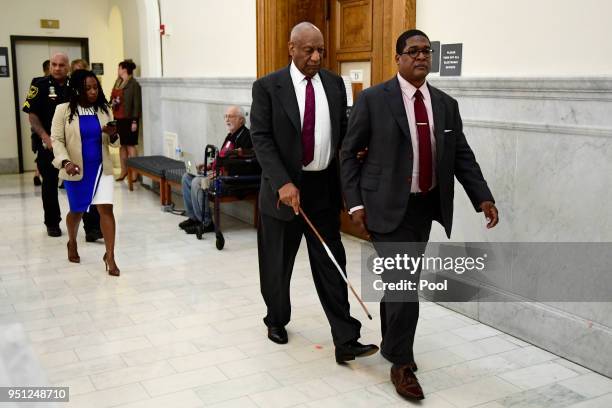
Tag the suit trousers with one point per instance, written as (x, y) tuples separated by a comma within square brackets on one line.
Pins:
[(51, 207), (399, 313), (278, 243)]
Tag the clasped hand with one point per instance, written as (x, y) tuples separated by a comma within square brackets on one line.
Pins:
[(72, 169)]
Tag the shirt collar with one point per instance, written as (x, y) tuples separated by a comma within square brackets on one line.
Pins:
[(410, 89), (297, 77), (238, 131)]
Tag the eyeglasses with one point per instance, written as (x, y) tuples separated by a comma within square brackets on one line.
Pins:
[(414, 52), (230, 116)]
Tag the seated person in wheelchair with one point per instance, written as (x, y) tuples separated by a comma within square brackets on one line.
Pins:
[(195, 198)]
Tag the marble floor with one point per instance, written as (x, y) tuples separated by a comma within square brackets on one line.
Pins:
[(182, 327)]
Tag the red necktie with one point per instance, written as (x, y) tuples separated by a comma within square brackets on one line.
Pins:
[(308, 127), (422, 124)]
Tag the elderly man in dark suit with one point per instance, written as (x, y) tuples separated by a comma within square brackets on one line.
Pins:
[(416, 147), (298, 120)]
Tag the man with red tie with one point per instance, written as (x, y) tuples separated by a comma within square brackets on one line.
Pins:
[(298, 120), (416, 148)]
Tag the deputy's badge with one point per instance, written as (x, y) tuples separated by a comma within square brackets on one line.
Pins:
[(52, 92), (32, 92)]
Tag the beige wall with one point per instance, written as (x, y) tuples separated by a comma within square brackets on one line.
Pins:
[(523, 37), (91, 19), (209, 38)]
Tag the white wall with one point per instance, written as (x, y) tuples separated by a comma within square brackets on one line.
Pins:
[(523, 37), (209, 38)]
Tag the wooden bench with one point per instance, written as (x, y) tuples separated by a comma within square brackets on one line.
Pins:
[(154, 167)]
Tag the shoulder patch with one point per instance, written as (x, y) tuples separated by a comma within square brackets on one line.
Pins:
[(26, 104), (32, 92)]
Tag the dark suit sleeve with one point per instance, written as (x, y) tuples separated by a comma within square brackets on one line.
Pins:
[(357, 138), (343, 118), (263, 138), (467, 169)]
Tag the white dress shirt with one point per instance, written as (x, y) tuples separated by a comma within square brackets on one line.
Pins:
[(408, 91), (322, 131)]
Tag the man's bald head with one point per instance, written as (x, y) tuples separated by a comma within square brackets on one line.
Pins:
[(307, 48), (60, 64), (304, 28)]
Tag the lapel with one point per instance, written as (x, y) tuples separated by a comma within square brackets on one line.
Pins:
[(75, 134), (286, 94), (102, 118), (438, 113), (393, 96), (333, 101)]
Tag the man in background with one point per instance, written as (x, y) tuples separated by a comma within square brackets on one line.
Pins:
[(195, 200)]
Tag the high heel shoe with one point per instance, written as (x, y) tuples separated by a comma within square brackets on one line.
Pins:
[(121, 177), (113, 271), (73, 256)]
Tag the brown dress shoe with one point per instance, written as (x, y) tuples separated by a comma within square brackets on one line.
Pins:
[(405, 382)]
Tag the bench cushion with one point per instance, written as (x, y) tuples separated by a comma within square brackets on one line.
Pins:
[(156, 165)]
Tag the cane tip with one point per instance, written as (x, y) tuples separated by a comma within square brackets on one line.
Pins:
[(369, 316)]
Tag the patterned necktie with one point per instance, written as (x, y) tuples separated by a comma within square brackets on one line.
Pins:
[(308, 127), (425, 160)]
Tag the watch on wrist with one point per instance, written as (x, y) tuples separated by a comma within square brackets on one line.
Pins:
[(65, 163)]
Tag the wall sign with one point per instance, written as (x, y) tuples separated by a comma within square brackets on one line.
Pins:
[(97, 68), (4, 69), (47, 23), (451, 56)]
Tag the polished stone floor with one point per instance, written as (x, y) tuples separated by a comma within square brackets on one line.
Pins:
[(182, 327)]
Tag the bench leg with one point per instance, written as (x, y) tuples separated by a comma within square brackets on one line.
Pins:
[(163, 193), (130, 182), (168, 192)]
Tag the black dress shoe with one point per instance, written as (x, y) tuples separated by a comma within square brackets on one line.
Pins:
[(54, 231), (191, 229), (278, 334), (209, 228), (187, 223), (93, 235), (348, 351)]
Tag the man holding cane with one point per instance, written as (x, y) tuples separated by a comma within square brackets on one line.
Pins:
[(298, 119)]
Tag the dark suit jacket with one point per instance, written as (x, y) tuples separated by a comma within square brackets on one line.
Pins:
[(277, 135), (382, 183)]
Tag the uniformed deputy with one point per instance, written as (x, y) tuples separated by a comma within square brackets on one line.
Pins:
[(44, 95)]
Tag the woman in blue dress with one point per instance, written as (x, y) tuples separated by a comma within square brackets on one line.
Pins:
[(81, 134)]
